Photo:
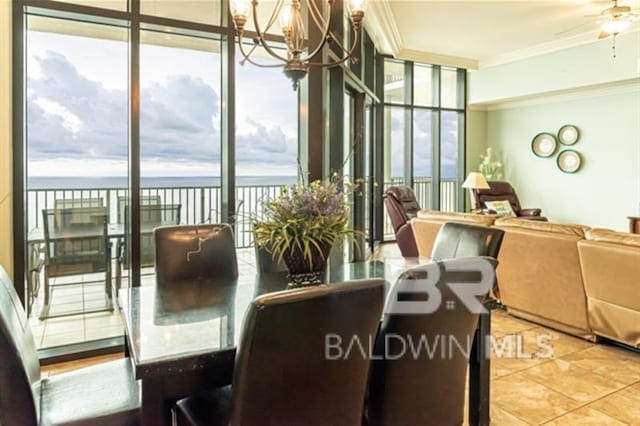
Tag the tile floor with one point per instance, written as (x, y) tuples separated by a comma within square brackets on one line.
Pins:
[(582, 383)]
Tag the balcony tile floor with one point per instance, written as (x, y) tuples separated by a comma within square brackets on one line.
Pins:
[(581, 384)]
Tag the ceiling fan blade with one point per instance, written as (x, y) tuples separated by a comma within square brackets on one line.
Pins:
[(577, 27), (603, 34)]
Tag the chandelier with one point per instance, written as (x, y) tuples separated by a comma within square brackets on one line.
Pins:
[(297, 60)]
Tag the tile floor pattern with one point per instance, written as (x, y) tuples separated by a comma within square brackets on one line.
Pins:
[(582, 383)]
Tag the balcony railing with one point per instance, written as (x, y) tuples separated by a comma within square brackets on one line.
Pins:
[(202, 204)]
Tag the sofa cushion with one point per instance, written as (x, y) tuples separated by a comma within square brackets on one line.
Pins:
[(557, 228), (609, 236), (479, 219), (502, 208)]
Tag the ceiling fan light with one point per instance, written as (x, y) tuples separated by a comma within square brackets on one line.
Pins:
[(615, 26)]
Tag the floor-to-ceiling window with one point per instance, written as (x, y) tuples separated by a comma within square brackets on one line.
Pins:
[(136, 94), (424, 116), (76, 141)]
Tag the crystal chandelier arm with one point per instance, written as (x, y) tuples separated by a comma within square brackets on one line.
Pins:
[(356, 38), (261, 34), (247, 57)]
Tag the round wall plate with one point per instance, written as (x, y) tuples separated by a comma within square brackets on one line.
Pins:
[(569, 161), (544, 145), (568, 135)]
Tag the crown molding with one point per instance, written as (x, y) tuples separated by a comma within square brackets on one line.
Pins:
[(578, 93), (543, 48), (437, 59), (382, 28)]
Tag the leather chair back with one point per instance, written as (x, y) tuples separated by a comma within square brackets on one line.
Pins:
[(19, 365), (424, 385), (499, 191), (282, 373), (192, 252), (456, 240), (401, 205)]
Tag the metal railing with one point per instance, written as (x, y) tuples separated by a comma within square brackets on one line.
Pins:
[(202, 204), (198, 204)]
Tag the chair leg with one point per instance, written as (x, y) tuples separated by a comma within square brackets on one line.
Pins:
[(44, 313)]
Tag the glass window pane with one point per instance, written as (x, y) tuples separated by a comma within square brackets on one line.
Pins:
[(449, 88), (77, 154), (450, 126), (202, 11), (179, 133), (393, 81), (266, 140), (422, 155), (423, 85), (394, 125)]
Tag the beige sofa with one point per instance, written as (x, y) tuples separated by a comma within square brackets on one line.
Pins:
[(539, 274), (578, 280), (611, 271), (428, 222)]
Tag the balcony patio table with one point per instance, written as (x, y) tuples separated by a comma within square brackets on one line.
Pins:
[(183, 341)]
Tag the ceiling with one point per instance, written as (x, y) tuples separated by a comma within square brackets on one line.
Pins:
[(483, 33)]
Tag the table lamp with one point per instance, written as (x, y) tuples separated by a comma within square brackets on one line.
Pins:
[(475, 181)]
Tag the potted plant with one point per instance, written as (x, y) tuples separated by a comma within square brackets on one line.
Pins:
[(302, 224), (489, 168)]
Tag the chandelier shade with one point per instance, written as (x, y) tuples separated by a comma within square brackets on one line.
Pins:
[(289, 13)]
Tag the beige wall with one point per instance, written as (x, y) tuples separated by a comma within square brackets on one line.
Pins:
[(6, 258)]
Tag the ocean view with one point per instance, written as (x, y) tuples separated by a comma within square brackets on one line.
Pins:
[(103, 182)]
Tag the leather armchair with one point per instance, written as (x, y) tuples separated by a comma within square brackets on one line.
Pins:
[(499, 191), (402, 206), (105, 394)]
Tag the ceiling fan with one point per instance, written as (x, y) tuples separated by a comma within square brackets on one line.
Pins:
[(611, 21), (615, 19)]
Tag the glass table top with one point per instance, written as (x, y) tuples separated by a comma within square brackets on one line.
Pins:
[(192, 323)]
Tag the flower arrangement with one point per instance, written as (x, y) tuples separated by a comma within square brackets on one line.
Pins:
[(307, 219), (490, 169)]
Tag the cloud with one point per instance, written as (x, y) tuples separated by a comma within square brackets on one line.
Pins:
[(179, 121)]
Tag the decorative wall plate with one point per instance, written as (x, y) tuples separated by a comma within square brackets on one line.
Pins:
[(544, 145), (569, 161), (568, 135)]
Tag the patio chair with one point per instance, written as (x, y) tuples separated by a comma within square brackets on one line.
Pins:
[(76, 243), (151, 217)]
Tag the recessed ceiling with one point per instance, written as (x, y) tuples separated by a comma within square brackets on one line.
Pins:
[(485, 31)]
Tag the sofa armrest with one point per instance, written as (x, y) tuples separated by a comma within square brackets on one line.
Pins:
[(530, 212)]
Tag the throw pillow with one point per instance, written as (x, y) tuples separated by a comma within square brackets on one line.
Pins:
[(502, 208)]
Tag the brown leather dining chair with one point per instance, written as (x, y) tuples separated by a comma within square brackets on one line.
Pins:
[(192, 252), (402, 206), (105, 394), (284, 372), (425, 384), (456, 240)]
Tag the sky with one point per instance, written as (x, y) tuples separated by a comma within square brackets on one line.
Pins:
[(77, 114), (77, 111)]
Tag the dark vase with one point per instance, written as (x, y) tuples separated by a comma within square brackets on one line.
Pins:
[(300, 272)]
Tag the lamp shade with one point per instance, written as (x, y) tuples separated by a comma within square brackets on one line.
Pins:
[(475, 180)]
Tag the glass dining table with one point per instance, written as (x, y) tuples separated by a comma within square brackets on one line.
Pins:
[(182, 339)]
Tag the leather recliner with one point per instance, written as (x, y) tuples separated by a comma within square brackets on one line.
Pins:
[(402, 206), (499, 191)]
